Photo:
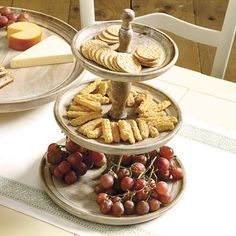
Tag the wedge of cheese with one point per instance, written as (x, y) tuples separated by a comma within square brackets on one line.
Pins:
[(23, 35), (52, 50)]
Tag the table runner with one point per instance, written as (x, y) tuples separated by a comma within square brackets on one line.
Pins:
[(188, 144)]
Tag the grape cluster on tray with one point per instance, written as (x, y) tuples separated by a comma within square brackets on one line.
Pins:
[(70, 161), (139, 184), (8, 17)]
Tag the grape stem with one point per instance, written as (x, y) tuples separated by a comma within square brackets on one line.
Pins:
[(148, 168), (119, 162)]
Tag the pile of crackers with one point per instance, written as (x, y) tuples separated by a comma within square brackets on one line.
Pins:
[(110, 35), (99, 51), (148, 55), (5, 77), (85, 113)]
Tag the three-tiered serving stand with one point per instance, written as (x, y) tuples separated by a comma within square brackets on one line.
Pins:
[(79, 198)]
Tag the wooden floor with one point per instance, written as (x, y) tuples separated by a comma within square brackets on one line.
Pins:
[(201, 12)]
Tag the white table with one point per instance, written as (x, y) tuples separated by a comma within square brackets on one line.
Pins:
[(206, 145)]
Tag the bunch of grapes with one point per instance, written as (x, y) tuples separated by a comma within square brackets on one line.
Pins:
[(70, 161), (8, 17), (138, 185)]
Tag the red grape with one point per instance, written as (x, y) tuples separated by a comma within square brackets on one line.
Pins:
[(154, 204), (57, 173), (3, 21), (141, 195), (139, 184), (99, 158), (64, 167), (88, 160), (80, 169), (75, 158), (71, 177), (126, 183), (129, 207), (11, 16), (142, 208), (118, 209), (71, 146), (162, 164), (166, 152), (122, 172), (176, 173), (140, 158), (106, 181), (162, 188), (165, 199), (126, 160), (163, 175), (116, 199), (101, 197), (54, 154), (106, 206), (137, 168), (154, 194)]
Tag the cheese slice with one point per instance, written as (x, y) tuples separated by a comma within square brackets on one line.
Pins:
[(23, 35), (52, 50)]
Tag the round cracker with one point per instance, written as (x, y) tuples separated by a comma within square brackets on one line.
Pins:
[(113, 30), (128, 63), (109, 36), (99, 52), (87, 46), (94, 49), (147, 63), (108, 41), (148, 52), (112, 61), (150, 64), (104, 59)]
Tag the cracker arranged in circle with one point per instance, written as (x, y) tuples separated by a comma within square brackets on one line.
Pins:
[(101, 50), (128, 63), (94, 49), (148, 52), (105, 59), (113, 29), (112, 61), (85, 48)]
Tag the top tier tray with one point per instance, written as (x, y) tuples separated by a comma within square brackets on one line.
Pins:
[(38, 85), (142, 35)]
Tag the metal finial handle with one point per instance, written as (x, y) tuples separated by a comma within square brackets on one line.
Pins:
[(126, 32)]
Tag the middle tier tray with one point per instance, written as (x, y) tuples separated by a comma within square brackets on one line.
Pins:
[(146, 145)]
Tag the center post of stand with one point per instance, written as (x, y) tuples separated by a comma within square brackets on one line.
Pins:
[(120, 90)]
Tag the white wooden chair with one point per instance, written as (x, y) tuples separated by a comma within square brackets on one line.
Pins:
[(222, 39)]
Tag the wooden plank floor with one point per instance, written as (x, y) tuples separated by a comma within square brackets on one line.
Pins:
[(192, 55)]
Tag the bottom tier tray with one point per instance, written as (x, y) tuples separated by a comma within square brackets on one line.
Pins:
[(79, 198)]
